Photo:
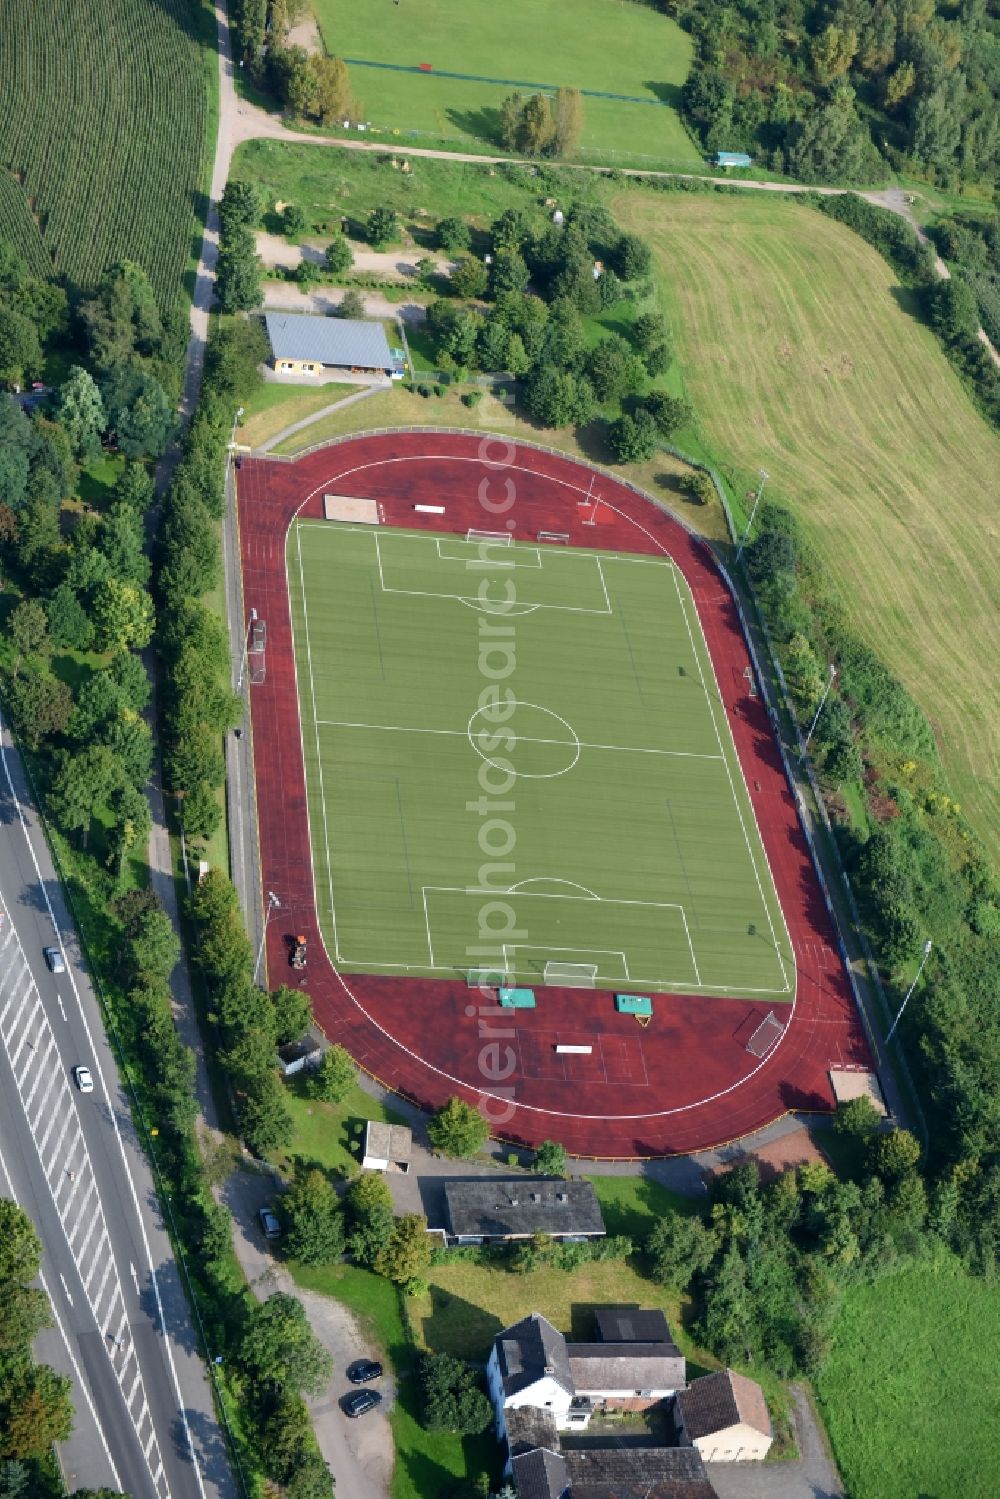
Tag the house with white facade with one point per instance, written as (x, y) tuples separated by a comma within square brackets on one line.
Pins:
[(632, 1364)]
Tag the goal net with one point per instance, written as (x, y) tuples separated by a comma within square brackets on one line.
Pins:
[(495, 538), (570, 975), (486, 978), (766, 1037)]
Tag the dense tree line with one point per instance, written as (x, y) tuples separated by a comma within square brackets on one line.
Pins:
[(579, 268), (919, 871), (765, 1268), (837, 92), (35, 1405), (313, 86)]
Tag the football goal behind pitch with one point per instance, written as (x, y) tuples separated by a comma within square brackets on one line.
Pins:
[(558, 975), (494, 538)]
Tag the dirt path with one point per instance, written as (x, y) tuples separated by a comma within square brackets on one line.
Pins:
[(323, 299), (394, 265)]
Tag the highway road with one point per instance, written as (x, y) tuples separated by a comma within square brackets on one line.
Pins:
[(145, 1421)]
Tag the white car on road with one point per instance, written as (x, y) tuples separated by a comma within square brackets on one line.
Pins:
[(83, 1079)]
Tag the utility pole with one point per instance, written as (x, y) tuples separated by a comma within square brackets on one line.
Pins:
[(764, 476), (826, 694), (232, 436), (926, 954)]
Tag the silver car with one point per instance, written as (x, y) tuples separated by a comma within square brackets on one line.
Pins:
[(55, 960)]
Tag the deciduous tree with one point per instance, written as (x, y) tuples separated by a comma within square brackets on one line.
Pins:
[(312, 1220), (407, 1253), (458, 1129), (334, 1078), (278, 1349)]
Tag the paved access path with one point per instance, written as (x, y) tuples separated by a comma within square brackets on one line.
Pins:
[(812, 1475)]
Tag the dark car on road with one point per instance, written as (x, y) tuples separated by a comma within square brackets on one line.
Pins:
[(361, 1401), (364, 1370)]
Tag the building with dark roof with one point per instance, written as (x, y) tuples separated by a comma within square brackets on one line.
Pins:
[(532, 1365), (486, 1210), (724, 1416), (302, 344), (632, 1324), (636, 1473)]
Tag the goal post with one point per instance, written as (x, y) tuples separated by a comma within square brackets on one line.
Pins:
[(492, 538), (486, 978), (559, 975), (559, 538)]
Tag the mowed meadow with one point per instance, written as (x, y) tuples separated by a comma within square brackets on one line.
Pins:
[(802, 355), (621, 48), (102, 134)]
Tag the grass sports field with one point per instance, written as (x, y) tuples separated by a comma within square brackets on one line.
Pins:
[(625, 842), (800, 353), (101, 135), (625, 50)]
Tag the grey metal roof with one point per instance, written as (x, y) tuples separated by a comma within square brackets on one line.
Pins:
[(528, 1351), (524, 1206), (388, 1142), (347, 342)]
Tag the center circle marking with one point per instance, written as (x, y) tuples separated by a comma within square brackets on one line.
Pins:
[(572, 742)]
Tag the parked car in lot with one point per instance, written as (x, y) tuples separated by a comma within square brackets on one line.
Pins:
[(83, 1079), (54, 959), (269, 1225), (363, 1370), (360, 1402)]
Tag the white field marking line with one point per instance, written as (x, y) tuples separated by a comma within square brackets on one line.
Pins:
[(427, 593), (302, 732), (694, 960), (66, 1343), (427, 924), (548, 556), (732, 787), (181, 1406), (341, 473), (618, 749), (639, 978), (319, 755), (506, 546), (511, 950), (669, 562)]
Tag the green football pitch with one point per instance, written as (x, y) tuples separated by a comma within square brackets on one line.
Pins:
[(549, 790)]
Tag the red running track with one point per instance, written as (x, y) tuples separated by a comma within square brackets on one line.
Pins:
[(686, 1081)]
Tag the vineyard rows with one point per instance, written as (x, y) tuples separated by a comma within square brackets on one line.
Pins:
[(102, 125)]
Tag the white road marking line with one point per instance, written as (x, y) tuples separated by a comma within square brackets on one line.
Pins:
[(68, 1120), (94, 1220), (53, 1077), (65, 1288), (42, 1074), (66, 1343), (62, 1008), (108, 1267), (131, 1394)]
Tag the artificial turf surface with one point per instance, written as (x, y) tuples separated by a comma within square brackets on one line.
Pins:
[(624, 839)]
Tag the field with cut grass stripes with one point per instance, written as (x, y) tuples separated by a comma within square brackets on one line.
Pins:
[(442, 67), (630, 841), (802, 355), (102, 134)]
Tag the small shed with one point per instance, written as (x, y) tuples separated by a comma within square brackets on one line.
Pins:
[(732, 159), (387, 1147), (299, 1056)]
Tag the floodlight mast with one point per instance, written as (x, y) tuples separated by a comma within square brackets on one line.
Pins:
[(925, 955), (273, 904), (826, 694), (764, 476)]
